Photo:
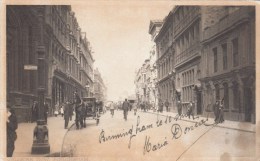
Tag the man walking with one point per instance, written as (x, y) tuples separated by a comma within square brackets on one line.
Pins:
[(66, 114), (216, 111), (77, 102), (191, 110), (125, 108)]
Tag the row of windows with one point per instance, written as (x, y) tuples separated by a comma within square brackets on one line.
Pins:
[(190, 37), (224, 47), (188, 77), (187, 94), (165, 68)]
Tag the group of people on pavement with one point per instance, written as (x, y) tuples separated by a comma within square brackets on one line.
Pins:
[(161, 104), (35, 112), (218, 109)]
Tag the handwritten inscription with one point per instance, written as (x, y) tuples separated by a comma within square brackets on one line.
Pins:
[(149, 146), (176, 131)]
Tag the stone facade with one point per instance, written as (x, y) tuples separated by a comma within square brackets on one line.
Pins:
[(165, 62), (68, 56), (228, 55), (214, 58), (100, 89)]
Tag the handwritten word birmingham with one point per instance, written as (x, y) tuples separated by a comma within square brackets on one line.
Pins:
[(138, 129)]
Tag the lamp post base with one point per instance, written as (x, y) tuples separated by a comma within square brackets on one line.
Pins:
[(41, 140), (40, 148)]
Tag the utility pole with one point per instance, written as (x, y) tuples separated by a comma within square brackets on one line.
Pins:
[(40, 134)]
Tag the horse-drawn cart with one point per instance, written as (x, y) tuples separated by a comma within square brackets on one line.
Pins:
[(92, 110)]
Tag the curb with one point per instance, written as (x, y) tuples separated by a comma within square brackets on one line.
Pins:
[(58, 154), (216, 125)]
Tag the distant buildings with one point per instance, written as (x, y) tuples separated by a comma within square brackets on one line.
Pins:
[(204, 54), (100, 89), (146, 76), (68, 57)]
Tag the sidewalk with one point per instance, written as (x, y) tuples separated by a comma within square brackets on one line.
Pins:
[(24, 140), (242, 126)]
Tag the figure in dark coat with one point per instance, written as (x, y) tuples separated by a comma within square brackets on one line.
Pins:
[(66, 114), (125, 108), (216, 111), (11, 126), (179, 108), (34, 111), (221, 111), (190, 111)]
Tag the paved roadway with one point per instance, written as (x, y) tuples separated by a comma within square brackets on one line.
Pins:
[(168, 141)]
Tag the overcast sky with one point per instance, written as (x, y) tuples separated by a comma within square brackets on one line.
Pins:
[(118, 34)]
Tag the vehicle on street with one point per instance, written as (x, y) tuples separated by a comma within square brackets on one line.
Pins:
[(92, 110)]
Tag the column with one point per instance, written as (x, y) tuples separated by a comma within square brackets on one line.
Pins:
[(231, 96)]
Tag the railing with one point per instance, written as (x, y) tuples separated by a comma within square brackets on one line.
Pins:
[(188, 18), (226, 22), (187, 54)]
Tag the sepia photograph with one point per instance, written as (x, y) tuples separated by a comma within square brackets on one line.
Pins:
[(130, 80)]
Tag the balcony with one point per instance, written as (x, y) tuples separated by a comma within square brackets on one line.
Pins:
[(187, 20), (187, 55), (227, 22)]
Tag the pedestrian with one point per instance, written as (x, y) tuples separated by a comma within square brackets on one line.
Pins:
[(135, 108), (66, 114), (78, 108), (190, 111), (216, 111), (83, 115), (34, 111), (46, 110), (11, 126), (62, 110), (221, 111), (112, 108), (125, 108), (167, 105), (179, 108), (56, 110), (70, 110)]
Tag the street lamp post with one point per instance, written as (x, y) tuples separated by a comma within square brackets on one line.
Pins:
[(40, 134)]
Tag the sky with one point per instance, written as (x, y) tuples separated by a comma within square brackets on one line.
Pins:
[(118, 34)]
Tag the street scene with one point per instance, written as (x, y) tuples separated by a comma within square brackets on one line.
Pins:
[(151, 81)]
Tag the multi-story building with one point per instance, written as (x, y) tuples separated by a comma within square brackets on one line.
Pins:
[(64, 48), (228, 60), (154, 29), (99, 86), (142, 81), (187, 27), (188, 24), (214, 58), (165, 62)]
